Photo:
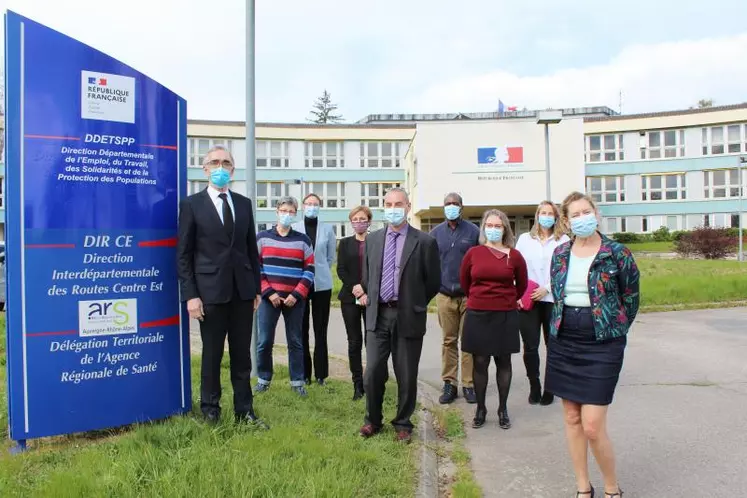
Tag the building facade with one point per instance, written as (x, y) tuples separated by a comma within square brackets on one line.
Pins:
[(674, 169)]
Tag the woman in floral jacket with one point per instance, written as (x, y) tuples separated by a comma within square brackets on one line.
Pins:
[(595, 286)]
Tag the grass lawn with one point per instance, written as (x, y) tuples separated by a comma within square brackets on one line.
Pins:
[(651, 247), (312, 449), (671, 284)]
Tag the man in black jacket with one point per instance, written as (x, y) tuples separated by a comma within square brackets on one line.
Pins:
[(401, 274), (218, 268)]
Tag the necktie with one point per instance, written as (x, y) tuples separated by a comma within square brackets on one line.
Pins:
[(388, 268), (227, 215)]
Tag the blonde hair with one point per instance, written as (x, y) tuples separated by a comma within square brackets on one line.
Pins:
[(570, 199), (508, 235), (557, 229)]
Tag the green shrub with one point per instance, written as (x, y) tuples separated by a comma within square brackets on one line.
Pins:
[(662, 235), (626, 237), (677, 234)]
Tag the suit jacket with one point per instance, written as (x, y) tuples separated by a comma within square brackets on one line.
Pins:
[(419, 280), (324, 254), (209, 260), (349, 268)]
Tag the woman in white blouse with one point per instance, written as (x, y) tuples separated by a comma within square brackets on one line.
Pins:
[(537, 247)]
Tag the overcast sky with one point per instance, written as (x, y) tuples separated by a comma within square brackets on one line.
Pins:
[(390, 56)]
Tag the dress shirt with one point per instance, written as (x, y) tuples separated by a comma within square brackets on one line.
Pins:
[(538, 257), (398, 258), (218, 202)]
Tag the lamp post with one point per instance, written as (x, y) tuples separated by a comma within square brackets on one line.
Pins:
[(251, 163), (742, 160), (547, 118)]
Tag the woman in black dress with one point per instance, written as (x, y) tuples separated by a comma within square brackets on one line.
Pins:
[(493, 276), (595, 284), (350, 254)]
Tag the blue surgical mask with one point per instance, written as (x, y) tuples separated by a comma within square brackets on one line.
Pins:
[(452, 212), (311, 211), (584, 226), (220, 177), (285, 219), (494, 234), (394, 216), (547, 221)]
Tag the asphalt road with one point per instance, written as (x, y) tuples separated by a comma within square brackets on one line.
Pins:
[(678, 423)]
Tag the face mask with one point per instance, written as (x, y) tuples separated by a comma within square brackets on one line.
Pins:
[(395, 216), (494, 234), (452, 212), (584, 226), (285, 219), (220, 177), (547, 221), (360, 226), (311, 211)]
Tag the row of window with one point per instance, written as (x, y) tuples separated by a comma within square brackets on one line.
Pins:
[(717, 184), (276, 153), (648, 224), (332, 193), (667, 144)]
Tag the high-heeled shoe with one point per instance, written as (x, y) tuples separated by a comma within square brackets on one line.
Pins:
[(479, 419), (613, 495), (579, 494), (503, 421)]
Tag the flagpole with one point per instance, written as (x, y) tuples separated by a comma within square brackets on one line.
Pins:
[(251, 163)]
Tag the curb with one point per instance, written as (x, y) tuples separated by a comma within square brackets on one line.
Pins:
[(428, 479)]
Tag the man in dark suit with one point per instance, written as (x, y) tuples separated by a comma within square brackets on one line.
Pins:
[(401, 274), (218, 268)]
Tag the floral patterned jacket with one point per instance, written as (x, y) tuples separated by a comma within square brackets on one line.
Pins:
[(613, 288)]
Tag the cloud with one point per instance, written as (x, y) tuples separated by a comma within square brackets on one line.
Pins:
[(651, 77)]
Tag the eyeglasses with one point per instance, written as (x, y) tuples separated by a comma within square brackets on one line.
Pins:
[(287, 211), (218, 162)]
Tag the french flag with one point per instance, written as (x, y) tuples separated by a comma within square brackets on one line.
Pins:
[(102, 81), (500, 155)]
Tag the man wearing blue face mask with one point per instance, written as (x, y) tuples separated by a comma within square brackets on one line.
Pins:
[(324, 244), (401, 274), (455, 237), (219, 278)]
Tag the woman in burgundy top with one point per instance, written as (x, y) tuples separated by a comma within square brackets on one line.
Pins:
[(494, 277)]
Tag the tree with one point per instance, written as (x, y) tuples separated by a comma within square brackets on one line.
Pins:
[(324, 110), (703, 103)]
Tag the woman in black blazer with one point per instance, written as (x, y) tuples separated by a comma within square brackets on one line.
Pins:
[(350, 255)]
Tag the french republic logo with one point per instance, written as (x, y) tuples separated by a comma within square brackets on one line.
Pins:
[(107, 97), (497, 156)]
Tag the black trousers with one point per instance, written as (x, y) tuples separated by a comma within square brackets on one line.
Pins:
[(317, 308), (405, 352), (530, 323), (354, 317), (235, 320)]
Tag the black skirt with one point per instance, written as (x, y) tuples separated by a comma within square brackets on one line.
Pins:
[(491, 333), (579, 367)]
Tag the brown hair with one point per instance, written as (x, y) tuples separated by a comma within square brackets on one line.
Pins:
[(557, 229), (312, 194), (508, 235), (573, 197), (360, 209)]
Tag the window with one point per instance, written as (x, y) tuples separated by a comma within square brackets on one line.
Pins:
[(273, 154), (332, 194), (602, 148), (662, 144), (668, 187), (324, 155), (263, 226), (380, 154), (729, 139), (198, 148), (672, 223), (372, 194), (269, 193), (606, 188), (195, 186), (735, 220), (723, 183), (645, 224), (611, 225), (706, 220), (339, 229)]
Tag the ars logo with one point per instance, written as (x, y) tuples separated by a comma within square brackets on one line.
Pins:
[(107, 317)]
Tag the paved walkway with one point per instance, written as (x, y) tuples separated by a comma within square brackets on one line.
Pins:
[(679, 421)]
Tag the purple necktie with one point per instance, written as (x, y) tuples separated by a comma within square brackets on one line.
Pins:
[(388, 268)]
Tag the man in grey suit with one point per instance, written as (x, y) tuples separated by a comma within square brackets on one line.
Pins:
[(401, 274)]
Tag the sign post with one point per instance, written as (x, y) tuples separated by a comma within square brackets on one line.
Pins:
[(96, 165)]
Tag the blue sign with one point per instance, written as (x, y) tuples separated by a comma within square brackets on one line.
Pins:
[(96, 156)]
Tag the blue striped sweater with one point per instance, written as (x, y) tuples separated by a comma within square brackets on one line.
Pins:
[(286, 263)]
